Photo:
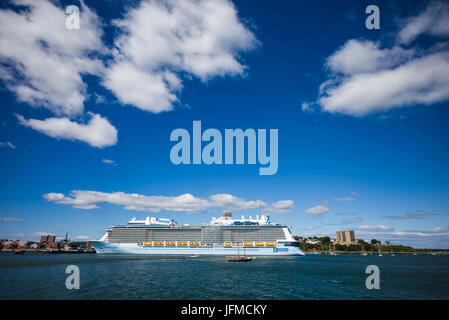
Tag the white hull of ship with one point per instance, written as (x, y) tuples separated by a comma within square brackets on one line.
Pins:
[(104, 247)]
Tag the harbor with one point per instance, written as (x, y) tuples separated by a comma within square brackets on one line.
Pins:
[(47, 245), (311, 245), (40, 276)]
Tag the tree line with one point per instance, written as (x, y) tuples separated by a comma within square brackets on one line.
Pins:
[(372, 246)]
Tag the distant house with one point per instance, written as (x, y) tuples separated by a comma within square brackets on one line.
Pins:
[(79, 245), (52, 245), (313, 241), (6, 243), (12, 244)]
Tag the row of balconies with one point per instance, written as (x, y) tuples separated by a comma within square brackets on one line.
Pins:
[(198, 243)]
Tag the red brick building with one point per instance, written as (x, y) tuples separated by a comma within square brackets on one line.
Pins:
[(48, 239)]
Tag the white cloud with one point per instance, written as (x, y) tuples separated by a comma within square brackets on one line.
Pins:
[(160, 40), (7, 144), (108, 161), (376, 228), (358, 56), (309, 228), (433, 21), (415, 238), (420, 81), (344, 199), (81, 237), (365, 78), (280, 207), (440, 230), (414, 215), (306, 107), (230, 202), (388, 231), (158, 44), (11, 219), (425, 233), (145, 90), (413, 234), (39, 234), (85, 199), (318, 210), (343, 222), (98, 132), (42, 61)]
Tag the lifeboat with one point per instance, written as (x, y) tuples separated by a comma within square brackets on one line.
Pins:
[(147, 244), (270, 244), (194, 244), (248, 244), (259, 244)]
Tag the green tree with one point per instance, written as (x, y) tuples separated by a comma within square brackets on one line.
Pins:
[(325, 240)]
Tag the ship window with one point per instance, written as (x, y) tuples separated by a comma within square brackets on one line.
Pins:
[(290, 244)]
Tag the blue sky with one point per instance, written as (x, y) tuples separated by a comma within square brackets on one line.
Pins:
[(92, 110)]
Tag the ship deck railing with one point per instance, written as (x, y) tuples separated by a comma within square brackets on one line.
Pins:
[(198, 226), (244, 244)]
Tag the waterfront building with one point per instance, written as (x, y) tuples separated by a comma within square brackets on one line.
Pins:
[(48, 239), (52, 245)]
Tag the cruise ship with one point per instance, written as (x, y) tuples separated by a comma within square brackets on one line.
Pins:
[(222, 236)]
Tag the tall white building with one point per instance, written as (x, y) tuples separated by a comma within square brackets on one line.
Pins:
[(346, 237)]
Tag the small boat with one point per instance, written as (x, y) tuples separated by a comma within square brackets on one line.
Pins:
[(364, 252), (195, 256), (332, 253), (19, 251), (240, 259)]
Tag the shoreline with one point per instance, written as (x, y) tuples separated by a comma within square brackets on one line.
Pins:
[(370, 253), (47, 251), (373, 253)]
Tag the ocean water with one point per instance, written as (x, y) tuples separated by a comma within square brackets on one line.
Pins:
[(42, 276)]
